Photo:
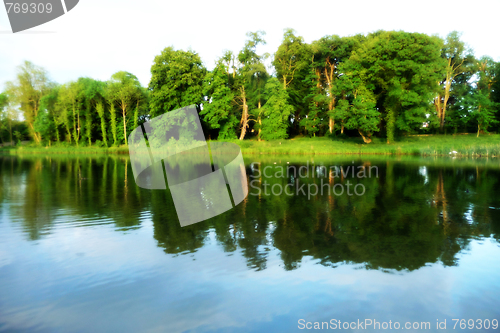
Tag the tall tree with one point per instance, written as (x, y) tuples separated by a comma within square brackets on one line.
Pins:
[(31, 84), (124, 90), (219, 110), (100, 111), (91, 94), (358, 107), (276, 111), (176, 81), (484, 106), (457, 58), (291, 62), (327, 54), (401, 69), (250, 70), (63, 107), (5, 121)]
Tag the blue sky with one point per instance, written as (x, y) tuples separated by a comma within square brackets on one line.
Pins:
[(98, 38)]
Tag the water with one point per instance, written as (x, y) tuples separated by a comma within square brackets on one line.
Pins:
[(83, 249)]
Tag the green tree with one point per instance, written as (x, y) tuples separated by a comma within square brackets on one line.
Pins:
[(248, 76), (124, 90), (478, 103), (328, 54), (114, 126), (292, 62), (363, 115), (27, 90), (401, 69), (219, 110), (5, 119), (73, 97), (91, 94), (276, 111), (63, 107), (49, 105), (100, 111), (457, 59), (495, 90), (176, 81)]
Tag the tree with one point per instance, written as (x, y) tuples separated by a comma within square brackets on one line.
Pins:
[(290, 58), (73, 97), (234, 97), (291, 62), (100, 111), (47, 122), (327, 54), (401, 69), (112, 117), (482, 106), (495, 90), (363, 115), (276, 111), (457, 58), (176, 81), (249, 74), (91, 94), (4, 116), (219, 111), (124, 90), (27, 90), (65, 101)]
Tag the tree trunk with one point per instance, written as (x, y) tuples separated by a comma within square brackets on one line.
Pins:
[(478, 123), (331, 107), (124, 107), (259, 119), (366, 139), (244, 115), (10, 132), (447, 88)]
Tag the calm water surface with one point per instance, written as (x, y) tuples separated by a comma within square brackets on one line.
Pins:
[(83, 249)]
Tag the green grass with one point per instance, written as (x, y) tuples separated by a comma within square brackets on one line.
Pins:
[(63, 149), (433, 145)]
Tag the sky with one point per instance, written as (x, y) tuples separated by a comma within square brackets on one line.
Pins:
[(100, 37)]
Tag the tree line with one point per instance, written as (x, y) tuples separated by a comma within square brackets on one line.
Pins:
[(384, 84)]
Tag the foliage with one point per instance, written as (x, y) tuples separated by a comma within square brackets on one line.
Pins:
[(387, 84), (219, 111), (276, 111), (176, 81), (27, 90)]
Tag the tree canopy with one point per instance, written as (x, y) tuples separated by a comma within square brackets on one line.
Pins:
[(384, 84)]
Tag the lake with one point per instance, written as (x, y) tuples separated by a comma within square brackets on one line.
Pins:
[(411, 241)]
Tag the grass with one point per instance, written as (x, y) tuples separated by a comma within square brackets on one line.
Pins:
[(63, 149), (433, 145)]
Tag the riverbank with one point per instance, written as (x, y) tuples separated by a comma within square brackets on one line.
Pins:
[(433, 145)]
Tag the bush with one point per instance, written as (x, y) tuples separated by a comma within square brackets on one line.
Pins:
[(99, 143)]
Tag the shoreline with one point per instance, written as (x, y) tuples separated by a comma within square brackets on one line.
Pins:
[(421, 146)]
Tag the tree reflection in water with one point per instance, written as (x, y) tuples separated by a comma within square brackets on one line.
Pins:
[(415, 212)]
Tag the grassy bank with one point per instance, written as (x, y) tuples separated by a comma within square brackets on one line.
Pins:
[(433, 145), (62, 149)]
